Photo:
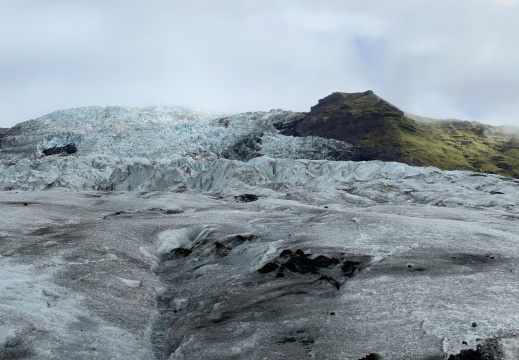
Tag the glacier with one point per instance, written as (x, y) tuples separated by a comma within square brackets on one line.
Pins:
[(174, 233)]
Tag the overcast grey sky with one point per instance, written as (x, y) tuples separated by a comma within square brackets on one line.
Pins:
[(436, 58)]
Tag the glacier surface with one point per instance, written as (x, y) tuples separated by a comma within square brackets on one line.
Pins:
[(179, 234)]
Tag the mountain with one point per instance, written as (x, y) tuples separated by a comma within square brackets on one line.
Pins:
[(343, 127), (171, 233), (386, 133)]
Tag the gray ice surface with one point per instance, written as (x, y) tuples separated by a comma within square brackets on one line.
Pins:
[(92, 275), (145, 245)]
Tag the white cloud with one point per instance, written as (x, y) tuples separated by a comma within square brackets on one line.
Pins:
[(506, 2), (443, 58)]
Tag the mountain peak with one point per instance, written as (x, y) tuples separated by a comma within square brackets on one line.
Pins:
[(356, 118), (384, 132)]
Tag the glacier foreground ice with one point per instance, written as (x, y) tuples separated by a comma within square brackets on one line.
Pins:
[(174, 275), (178, 234)]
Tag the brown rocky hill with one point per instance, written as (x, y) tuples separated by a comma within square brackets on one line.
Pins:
[(388, 134)]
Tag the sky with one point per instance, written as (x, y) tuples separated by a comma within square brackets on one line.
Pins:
[(439, 59)]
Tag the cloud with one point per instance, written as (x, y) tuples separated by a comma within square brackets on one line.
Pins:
[(442, 59), (506, 2)]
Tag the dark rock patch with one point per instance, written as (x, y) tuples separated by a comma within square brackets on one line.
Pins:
[(268, 267), (288, 128), (246, 198), (245, 148), (117, 213), (3, 131), (331, 281), (351, 268), (489, 350), (303, 264), (173, 211), (237, 240), (48, 230), (14, 349), (166, 211), (221, 319), (472, 259), (301, 337), (322, 261), (288, 339), (221, 249), (372, 356), (327, 268), (183, 252), (470, 354), (61, 150), (286, 254)]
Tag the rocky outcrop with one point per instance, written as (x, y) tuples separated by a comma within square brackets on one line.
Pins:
[(354, 118), (381, 131), (2, 132), (61, 150)]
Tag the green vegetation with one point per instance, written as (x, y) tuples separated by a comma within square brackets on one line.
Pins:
[(323, 119), (452, 145), (365, 119), (457, 145)]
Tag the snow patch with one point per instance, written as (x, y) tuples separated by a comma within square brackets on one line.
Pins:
[(131, 283), (178, 238)]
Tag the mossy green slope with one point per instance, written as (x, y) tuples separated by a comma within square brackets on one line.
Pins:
[(366, 120)]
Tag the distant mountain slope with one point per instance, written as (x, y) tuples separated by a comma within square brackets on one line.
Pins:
[(388, 134), (2, 132)]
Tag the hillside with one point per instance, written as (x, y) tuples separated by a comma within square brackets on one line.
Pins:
[(388, 134)]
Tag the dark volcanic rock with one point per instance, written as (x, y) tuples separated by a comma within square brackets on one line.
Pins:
[(246, 198), (268, 267), (245, 148), (286, 254), (327, 268), (2, 132), (181, 252), (221, 249), (372, 356), (351, 268), (14, 348), (302, 264), (67, 149), (470, 354), (331, 281), (356, 118), (489, 350)]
